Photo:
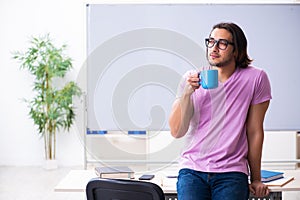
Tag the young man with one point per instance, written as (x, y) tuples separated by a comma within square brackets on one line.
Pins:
[(223, 126)]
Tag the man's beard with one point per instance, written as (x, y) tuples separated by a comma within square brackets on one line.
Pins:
[(219, 64)]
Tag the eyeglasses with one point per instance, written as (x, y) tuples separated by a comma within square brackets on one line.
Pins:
[(221, 43)]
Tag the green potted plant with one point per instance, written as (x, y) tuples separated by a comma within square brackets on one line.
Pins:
[(51, 109)]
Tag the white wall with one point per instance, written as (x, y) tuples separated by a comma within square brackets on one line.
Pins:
[(65, 21)]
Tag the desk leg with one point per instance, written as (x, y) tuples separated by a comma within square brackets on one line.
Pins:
[(170, 196), (272, 196)]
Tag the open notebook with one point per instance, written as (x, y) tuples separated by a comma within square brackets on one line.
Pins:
[(280, 182)]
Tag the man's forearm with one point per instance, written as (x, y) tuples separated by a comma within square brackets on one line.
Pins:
[(181, 115), (254, 156), (187, 111)]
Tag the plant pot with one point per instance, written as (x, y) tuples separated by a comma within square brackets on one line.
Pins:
[(50, 164)]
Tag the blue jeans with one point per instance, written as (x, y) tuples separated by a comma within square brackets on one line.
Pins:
[(195, 185)]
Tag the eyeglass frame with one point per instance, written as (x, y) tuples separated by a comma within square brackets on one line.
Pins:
[(218, 42)]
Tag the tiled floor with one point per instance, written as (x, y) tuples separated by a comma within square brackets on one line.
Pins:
[(36, 183)]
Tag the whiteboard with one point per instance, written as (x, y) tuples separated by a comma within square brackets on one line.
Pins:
[(137, 53)]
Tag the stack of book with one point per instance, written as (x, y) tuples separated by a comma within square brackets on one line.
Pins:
[(267, 176), (119, 172)]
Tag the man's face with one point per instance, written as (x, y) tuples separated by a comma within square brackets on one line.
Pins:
[(221, 53)]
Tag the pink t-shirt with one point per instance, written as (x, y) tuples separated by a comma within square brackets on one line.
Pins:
[(216, 140)]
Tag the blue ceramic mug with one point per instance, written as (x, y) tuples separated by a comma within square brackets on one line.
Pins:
[(209, 79)]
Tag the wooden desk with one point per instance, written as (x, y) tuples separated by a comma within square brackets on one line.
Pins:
[(76, 181)]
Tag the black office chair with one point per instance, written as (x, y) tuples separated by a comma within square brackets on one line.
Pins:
[(122, 189)]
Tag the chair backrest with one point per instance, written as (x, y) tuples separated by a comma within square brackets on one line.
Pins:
[(122, 189)]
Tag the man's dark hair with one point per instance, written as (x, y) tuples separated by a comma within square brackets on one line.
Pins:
[(240, 43)]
